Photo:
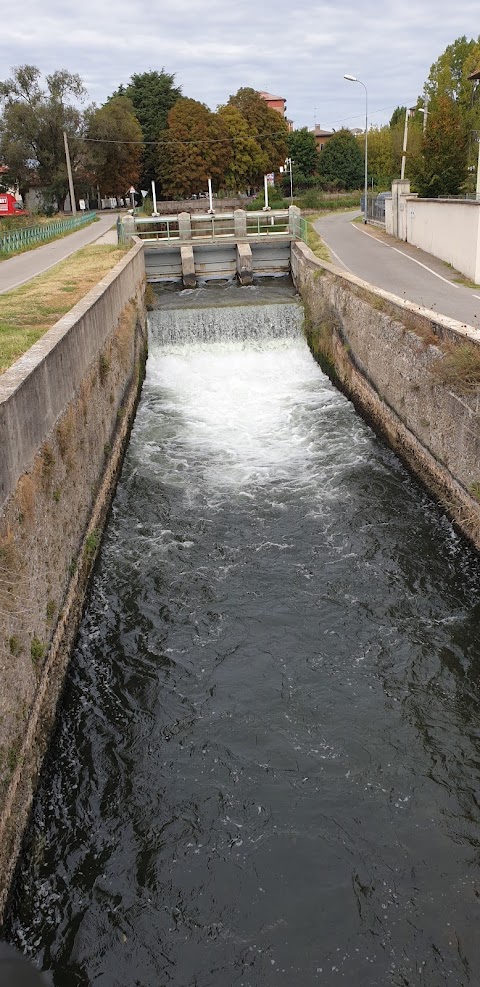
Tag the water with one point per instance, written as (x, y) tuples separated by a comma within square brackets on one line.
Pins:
[(266, 768)]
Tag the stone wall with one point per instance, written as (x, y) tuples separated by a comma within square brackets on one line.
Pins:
[(65, 413), (397, 362)]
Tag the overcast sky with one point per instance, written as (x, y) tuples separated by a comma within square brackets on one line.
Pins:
[(297, 50)]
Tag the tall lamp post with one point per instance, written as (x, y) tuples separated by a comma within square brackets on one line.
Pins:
[(353, 78)]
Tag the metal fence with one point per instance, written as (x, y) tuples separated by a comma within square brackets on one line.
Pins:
[(216, 226), (375, 207), (26, 236)]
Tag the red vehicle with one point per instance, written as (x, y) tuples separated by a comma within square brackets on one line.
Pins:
[(9, 206)]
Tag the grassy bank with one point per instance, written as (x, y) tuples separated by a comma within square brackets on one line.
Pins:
[(29, 311)]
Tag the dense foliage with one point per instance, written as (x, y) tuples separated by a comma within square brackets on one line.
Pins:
[(32, 125), (152, 94), (341, 160)]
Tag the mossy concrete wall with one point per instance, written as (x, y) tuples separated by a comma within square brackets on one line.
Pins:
[(65, 413), (397, 362)]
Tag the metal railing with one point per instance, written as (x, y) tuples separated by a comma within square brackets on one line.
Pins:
[(25, 236), (214, 226)]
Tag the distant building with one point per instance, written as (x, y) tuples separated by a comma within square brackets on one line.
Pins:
[(277, 103), (321, 136)]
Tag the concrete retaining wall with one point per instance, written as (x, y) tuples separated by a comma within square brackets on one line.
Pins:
[(389, 356), (65, 414)]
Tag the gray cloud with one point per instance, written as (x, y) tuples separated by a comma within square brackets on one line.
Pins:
[(297, 51)]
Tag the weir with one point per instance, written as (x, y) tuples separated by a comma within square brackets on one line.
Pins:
[(220, 246), (266, 761)]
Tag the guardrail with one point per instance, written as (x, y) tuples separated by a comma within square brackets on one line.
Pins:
[(15, 240), (215, 226)]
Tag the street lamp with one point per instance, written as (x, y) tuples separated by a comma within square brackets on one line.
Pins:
[(353, 78)]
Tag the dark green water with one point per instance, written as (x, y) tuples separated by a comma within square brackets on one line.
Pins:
[(266, 768)]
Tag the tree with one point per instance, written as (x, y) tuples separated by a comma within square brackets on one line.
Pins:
[(397, 116), (267, 126), (302, 149), (153, 94), (194, 148), (247, 160), (444, 151), (341, 161), (32, 126), (115, 147), (413, 161), (449, 74), (380, 155), (448, 77)]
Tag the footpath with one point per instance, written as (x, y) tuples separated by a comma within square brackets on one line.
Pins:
[(400, 268), (23, 267)]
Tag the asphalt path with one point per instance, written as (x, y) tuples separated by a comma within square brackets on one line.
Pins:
[(23, 267), (397, 267)]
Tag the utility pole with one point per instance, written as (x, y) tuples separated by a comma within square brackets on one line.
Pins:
[(73, 204)]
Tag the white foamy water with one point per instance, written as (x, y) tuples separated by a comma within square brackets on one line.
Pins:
[(250, 410)]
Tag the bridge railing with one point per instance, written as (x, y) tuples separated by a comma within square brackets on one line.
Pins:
[(214, 226), (25, 236)]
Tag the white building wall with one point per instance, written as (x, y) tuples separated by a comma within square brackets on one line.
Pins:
[(448, 229)]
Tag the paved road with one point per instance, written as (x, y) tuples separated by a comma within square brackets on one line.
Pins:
[(16, 270), (398, 267)]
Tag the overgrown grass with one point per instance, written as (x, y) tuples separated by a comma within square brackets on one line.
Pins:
[(27, 312), (315, 242), (459, 368), (316, 199)]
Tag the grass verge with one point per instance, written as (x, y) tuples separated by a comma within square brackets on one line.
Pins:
[(315, 242), (27, 312)]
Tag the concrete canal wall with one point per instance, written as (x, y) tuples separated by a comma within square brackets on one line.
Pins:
[(65, 412), (409, 371)]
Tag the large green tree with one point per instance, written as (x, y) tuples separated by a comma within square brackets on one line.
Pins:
[(445, 147), (247, 162), (114, 148), (153, 94), (302, 149), (267, 126), (381, 165), (448, 76), (32, 125), (341, 161), (194, 148)]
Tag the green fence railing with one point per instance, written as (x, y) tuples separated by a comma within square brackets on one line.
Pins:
[(25, 236)]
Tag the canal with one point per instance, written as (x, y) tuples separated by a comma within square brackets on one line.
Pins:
[(266, 765)]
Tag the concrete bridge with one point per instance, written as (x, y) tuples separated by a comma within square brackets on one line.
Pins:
[(216, 246)]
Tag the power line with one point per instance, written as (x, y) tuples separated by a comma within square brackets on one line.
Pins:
[(216, 140)]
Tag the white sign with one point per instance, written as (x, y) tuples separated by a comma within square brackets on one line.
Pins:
[(271, 178), (144, 192), (81, 203)]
